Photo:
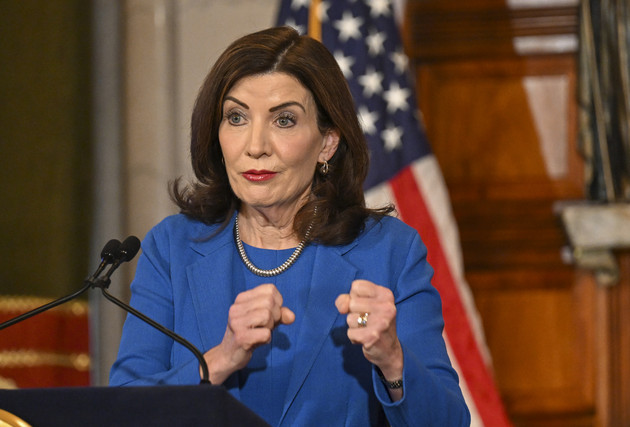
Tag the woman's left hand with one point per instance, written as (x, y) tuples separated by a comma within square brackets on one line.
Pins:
[(377, 335)]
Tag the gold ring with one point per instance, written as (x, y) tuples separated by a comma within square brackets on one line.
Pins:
[(362, 320)]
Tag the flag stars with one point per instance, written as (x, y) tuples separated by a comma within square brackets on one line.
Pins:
[(345, 63), (371, 82), (291, 23), (392, 138), (299, 4), (375, 42), (368, 120), (322, 11), (400, 61), (379, 8), (349, 27), (396, 98)]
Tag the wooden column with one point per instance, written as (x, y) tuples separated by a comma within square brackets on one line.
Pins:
[(613, 330)]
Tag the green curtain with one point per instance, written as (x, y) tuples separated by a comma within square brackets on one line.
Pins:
[(605, 98), (45, 150)]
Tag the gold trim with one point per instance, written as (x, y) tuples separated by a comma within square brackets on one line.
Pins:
[(31, 358), (22, 304), (7, 383), (7, 419)]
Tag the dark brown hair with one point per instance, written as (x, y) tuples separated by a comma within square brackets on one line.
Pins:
[(338, 195)]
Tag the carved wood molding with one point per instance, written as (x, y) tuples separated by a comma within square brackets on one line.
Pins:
[(437, 30)]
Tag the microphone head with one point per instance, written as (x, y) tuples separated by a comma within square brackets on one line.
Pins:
[(110, 250), (128, 249)]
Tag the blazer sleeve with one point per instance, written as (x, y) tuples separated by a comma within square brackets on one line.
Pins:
[(145, 354), (431, 393)]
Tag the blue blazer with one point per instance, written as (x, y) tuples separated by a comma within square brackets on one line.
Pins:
[(184, 282)]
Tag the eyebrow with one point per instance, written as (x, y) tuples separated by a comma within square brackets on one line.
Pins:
[(272, 109), (286, 104), (241, 103)]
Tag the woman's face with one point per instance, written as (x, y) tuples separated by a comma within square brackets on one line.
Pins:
[(270, 141)]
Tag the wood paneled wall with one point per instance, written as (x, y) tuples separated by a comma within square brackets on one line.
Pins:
[(497, 88)]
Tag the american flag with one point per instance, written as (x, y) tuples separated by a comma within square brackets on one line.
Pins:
[(364, 38)]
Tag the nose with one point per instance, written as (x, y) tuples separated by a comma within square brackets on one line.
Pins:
[(258, 144)]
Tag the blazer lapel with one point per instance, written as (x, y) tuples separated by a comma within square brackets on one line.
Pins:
[(213, 288), (210, 282), (332, 276)]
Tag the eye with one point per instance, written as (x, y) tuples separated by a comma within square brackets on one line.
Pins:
[(286, 120), (234, 118)]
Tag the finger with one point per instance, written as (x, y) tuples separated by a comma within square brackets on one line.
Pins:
[(275, 293), (287, 316), (367, 296), (251, 318), (359, 336), (267, 297), (342, 303), (275, 302), (269, 291), (361, 305), (261, 295), (357, 320), (363, 288)]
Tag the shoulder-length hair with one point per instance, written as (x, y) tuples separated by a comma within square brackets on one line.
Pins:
[(338, 195)]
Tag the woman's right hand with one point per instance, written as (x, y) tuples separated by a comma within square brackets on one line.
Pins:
[(252, 317)]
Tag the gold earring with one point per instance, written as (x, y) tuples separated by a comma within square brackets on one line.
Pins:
[(324, 168)]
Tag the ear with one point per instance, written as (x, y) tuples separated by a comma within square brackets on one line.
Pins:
[(330, 144)]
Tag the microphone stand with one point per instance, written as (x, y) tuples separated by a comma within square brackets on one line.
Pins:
[(115, 253), (108, 256), (103, 284), (45, 307)]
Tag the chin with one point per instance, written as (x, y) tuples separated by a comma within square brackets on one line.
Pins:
[(258, 203)]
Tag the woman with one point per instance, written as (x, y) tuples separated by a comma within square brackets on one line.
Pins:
[(311, 308)]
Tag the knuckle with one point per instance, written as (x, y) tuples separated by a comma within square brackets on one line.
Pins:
[(268, 289), (233, 312), (267, 317), (390, 311)]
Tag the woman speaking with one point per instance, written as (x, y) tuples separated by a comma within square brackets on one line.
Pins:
[(311, 308)]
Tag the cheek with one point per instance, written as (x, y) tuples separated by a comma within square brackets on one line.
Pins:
[(302, 152), (228, 145), (303, 166), (223, 137)]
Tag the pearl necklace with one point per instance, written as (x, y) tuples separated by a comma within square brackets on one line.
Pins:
[(274, 271)]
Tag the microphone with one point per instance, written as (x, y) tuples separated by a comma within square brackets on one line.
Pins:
[(107, 257), (125, 252), (128, 249)]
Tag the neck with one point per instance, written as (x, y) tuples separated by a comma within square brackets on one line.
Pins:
[(267, 229)]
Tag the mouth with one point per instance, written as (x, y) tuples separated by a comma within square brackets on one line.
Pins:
[(258, 175)]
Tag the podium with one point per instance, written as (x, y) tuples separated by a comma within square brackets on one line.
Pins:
[(201, 405)]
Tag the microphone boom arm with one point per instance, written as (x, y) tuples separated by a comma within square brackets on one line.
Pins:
[(114, 254), (45, 307), (108, 256), (202, 362)]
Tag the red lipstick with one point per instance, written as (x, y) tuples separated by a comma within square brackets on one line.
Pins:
[(258, 175)]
